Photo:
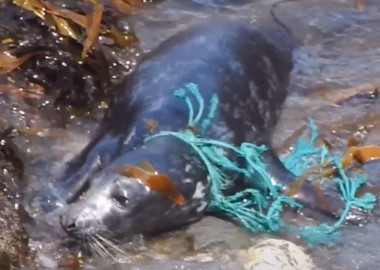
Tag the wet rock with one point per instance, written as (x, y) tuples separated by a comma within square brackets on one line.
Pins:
[(13, 236), (276, 254), (217, 3), (215, 232)]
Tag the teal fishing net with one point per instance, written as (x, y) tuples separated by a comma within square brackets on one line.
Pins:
[(255, 210)]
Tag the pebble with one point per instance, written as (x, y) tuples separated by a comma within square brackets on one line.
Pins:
[(276, 254)]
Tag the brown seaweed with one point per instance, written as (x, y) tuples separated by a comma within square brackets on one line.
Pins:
[(81, 66), (151, 125), (156, 181), (8, 62)]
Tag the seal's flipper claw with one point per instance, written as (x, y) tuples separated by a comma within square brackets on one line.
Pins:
[(277, 171)]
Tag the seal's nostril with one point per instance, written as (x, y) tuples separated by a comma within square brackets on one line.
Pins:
[(67, 224), (71, 227)]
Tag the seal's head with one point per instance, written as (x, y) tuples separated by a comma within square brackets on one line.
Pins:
[(117, 206)]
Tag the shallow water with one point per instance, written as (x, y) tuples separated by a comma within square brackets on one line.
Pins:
[(342, 50)]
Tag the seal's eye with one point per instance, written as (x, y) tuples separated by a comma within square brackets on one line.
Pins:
[(120, 200)]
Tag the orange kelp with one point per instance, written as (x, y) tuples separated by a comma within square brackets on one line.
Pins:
[(362, 154), (156, 181)]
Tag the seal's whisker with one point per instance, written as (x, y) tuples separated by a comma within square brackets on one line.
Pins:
[(100, 242), (112, 245), (109, 244), (90, 247), (86, 244), (97, 251), (108, 234), (100, 248)]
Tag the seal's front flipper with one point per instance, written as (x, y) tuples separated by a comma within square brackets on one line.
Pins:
[(103, 149), (322, 204), (77, 176), (66, 191), (307, 196), (70, 189)]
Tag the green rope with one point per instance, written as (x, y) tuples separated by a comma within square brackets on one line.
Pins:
[(306, 151), (256, 210)]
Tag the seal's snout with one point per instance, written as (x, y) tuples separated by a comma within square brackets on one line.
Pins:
[(68, 224), (71, 227), (74, 222)]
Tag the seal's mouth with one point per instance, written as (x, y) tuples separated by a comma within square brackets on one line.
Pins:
[(99, 244), (91, 241)]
